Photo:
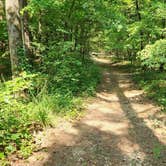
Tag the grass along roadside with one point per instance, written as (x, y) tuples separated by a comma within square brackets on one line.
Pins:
[(32, 102), (154, 84)]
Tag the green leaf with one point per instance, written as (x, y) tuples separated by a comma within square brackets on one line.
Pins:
[(2, 156)]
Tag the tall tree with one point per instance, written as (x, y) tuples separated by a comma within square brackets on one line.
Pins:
[(24, 27), (137, 8), (14, 32)]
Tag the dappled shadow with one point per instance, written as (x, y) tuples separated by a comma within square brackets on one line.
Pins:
[(141, 133), (112, 133), (91, 147)]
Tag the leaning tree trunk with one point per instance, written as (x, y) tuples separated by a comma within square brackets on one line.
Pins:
[(14, 32)]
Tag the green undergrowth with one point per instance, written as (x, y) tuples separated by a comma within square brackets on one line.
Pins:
[(154, 83), (30, 102)]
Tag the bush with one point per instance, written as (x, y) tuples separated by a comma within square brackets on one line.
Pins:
[(31, 101), (15, 120), (154, 56), (154, 84), (68, 73)]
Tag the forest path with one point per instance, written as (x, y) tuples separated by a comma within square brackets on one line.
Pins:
[(121, 128)]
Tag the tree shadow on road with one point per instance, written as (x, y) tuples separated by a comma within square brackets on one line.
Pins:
[(141, 133), (90, 145)]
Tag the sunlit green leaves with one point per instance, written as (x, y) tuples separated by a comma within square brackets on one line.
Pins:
[(154, 55)]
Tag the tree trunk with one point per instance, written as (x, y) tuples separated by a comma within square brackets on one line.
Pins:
[(14, 32), (163, 36), (24, 29), (139, 19)]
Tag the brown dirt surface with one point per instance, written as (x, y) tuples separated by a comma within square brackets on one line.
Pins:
[(121, 128)]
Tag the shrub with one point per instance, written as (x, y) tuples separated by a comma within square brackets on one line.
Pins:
[(33, 100), (15, 120), (154, 84), (68, 73), (154, 56)]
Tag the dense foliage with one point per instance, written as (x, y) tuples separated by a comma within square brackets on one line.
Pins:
[(29, 102), (154, 56), (55, 71), (154, 84), (45, 62)]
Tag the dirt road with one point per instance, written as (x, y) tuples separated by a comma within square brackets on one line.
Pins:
[(121, 128)]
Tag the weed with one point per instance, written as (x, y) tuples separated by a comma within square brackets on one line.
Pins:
[(157, 151)]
